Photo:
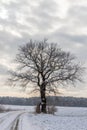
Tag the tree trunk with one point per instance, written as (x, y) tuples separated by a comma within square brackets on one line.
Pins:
[(43, 98)]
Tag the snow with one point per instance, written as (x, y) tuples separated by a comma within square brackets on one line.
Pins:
[(24, 118)]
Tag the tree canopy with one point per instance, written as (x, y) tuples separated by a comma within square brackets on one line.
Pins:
[(45, 65)]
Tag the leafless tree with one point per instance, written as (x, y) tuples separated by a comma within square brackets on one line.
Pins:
[(46, 66)]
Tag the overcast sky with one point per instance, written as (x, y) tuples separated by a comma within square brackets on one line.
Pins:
[(61, 21)]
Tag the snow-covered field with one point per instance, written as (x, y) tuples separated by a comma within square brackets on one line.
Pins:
[(23, 118)]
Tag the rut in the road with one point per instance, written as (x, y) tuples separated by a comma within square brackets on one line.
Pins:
[(15, 123), (5, 116)]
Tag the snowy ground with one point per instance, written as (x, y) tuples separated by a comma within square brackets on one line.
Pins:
[(67, 118)]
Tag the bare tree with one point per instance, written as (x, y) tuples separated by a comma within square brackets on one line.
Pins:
[(46, 66)]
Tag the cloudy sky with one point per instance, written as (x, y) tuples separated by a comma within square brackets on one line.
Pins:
[(61, 21)]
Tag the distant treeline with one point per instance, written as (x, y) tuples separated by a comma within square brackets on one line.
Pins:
[(53, 100)]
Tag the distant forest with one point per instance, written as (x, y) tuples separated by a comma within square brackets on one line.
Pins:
[(53, 100)]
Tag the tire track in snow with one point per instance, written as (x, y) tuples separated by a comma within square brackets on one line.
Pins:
[(9, 121), (16, 124), (5, 116)]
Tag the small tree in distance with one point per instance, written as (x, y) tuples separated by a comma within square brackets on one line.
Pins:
[(46, 66)]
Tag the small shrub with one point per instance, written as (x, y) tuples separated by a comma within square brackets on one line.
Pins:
[(2, 108), (51, 110), (37, 109)]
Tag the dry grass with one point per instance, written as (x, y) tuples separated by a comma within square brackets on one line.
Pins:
[(51, 110), (37, 109), (2, 108)]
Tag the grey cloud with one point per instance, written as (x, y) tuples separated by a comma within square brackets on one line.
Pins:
[(8, 48), (72, 38), (69, 39), (79, 15), (3, 70), (45, 15), (39, 18)]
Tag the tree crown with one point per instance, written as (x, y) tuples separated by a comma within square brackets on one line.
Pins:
[(45, 63)]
